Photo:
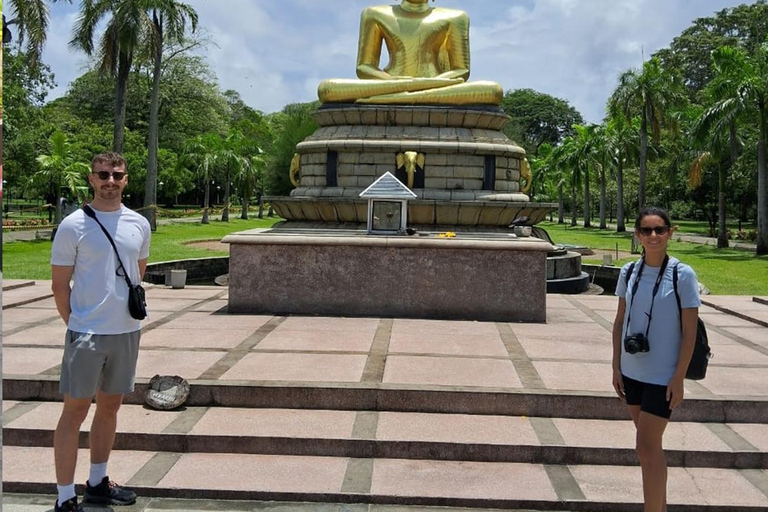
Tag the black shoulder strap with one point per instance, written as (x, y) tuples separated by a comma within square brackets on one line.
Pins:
[(629, 273), (92, 214), (677, 295)]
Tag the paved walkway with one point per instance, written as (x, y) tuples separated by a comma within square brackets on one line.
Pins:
[(391, 411)]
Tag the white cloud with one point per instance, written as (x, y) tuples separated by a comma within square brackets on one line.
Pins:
[(275, 53)]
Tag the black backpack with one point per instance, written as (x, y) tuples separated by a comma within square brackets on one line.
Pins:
[(697, 368)]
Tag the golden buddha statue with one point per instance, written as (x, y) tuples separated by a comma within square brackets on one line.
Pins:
[(428, 60)]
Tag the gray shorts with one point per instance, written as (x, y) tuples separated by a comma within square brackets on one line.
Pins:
[(99, 361)]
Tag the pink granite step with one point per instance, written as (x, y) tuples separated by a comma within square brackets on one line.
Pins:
[(399, 435), (396, 481)]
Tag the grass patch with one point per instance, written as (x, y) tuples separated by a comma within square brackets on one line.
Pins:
[(723, 271), (31, 259)]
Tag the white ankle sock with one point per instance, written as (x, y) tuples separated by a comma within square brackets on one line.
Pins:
[(66, 492), (98, 472)]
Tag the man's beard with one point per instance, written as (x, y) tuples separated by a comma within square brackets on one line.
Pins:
[(109, 193)]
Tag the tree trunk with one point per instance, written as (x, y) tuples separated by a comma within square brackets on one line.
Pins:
[(560, 206), (603, 225), (722, 236), (762, 185), (150, 188), (225, 211), (643, 159), (246, 205), (121, 88), (206, 201), (587, 209), (573, 205), (620, 227)]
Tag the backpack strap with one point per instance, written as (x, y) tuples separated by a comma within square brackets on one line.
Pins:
[(629, 273), (677, 296)]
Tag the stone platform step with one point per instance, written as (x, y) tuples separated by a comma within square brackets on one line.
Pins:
[(402, 398), (42, 503), (587, 488), (397, 435)]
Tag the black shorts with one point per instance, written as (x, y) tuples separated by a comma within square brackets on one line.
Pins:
[(652, 398)]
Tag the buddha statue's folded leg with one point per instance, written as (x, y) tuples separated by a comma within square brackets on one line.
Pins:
[(349, 90), (471, 93)]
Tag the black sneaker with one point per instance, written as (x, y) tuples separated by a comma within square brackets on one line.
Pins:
[(108, 493), (70, 505)]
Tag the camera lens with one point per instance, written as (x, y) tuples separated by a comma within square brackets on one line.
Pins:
[(631, 346)]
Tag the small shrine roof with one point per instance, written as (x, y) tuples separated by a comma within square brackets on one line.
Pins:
[(387, 187)]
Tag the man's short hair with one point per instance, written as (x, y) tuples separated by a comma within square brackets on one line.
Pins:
[(111, 158)]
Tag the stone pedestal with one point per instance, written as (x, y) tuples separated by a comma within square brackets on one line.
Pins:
[(470, 177), (489, 278)]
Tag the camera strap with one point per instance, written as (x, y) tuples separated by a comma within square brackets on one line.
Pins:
[(656, 286)]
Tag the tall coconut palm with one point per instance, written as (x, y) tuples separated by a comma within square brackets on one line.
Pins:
[(128, 26), (584, 161), (649, 92), (59, 169), (620, 138), (230, 157), (200, 156), (742, 83), (168, 24), (30, 18), (251, 179)]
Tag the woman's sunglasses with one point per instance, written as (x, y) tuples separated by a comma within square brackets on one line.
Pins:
[(104, 175), (659, 230)]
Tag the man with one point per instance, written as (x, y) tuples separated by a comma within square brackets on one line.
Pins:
[(102, 340)]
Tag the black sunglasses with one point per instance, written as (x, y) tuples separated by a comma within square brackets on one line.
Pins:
[(659, 230), (104, 175)]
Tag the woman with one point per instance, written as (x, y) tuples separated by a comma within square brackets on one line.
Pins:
[(650, 353)]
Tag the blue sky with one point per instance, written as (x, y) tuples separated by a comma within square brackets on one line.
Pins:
[(276, 52)]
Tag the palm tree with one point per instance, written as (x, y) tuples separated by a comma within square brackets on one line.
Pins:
[(741, 84), (556, 169), (251, 178), (650, 92), (230, 157), (125, 32), (200, 155), (601, 156), (621, 147), (59, 169), (168, 25), (31, 21), (584, 160)]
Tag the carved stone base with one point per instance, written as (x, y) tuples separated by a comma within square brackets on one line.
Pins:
[(471, 172)]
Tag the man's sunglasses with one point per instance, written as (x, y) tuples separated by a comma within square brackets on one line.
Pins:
[(104, 175), (659, 230)]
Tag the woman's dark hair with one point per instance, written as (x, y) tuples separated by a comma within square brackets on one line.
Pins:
[(653, 210)]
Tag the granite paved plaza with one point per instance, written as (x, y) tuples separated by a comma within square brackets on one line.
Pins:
[(393, 412)]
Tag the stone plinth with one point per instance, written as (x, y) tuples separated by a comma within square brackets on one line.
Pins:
[(466, 159), (490, 278)]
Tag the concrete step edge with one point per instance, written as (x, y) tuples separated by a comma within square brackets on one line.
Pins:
[(395, 449), (377, 499), (371, 397)]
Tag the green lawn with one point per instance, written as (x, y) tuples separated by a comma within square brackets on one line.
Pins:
[(31, 260), (723, 271)]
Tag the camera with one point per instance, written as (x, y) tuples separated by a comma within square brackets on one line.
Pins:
[(635, 343)]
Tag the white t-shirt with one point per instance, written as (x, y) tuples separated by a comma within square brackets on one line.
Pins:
[(658, 365), (99, 299)]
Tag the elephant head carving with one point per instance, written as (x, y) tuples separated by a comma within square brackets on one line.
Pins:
[(410, 160), (295, 169)]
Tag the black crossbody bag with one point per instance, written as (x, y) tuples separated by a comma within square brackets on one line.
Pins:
[(137, 303)]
